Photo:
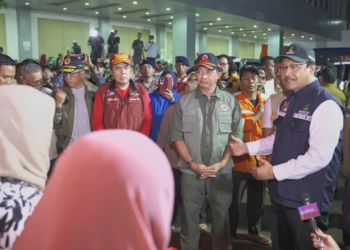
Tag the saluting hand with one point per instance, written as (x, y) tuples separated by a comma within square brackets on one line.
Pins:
[(237, 147), (264, 171)]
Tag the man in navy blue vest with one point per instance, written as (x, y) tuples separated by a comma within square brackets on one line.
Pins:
[(308, 135)]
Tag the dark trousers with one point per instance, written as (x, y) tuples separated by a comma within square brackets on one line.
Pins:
[(346, 238), (292, 233), (323, 222), (255, 202), (274, 230), (152, 59), (96, 53), (177, 212), (52, 163)]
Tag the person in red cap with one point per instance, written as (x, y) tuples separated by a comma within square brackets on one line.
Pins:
[(122, 103)]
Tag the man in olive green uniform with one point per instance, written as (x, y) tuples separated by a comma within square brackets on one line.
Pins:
[(74, 104), (328, 79), (204, 120)]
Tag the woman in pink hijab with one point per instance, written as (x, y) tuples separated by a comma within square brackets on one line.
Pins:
[(110, 190)]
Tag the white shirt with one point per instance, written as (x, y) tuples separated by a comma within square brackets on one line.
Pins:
[(269, 89), (266, 119), (326, 124), (152, 50)]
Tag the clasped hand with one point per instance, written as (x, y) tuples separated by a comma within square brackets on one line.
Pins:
[(204, 171)]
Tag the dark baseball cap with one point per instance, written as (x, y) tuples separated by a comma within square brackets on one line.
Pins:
[(99, 60), (145, 61), (250, 69), (182, 59), (208, 60), (71, 64), (298, 52)]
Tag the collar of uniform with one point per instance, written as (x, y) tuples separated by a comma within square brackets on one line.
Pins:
[(305, 92), (216, 94), (131, 82)]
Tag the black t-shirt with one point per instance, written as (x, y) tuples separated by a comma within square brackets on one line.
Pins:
[(96, 41), (139, 50), (254, 102), (113, 42)]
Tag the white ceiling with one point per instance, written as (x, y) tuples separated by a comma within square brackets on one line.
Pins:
[(160, 12)]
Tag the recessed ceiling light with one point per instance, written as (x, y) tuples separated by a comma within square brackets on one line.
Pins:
[(311, 38), (241, 29), (302, 36), (226, 27), (170, 23), (232, 32), (219, 30), (253, 31), (147, 13), (284, 38), (243, 34), (27, 3), (96, 12), (148, 20), (292, 34), (86, 3), (265, 38), (255, 26), (171, 17), (269, 29), (197, 14), (64, 8), (264, 34), (124, 16), (219, 19), (134, 2), (254, 36), (119, 8), (167, 8), (210, 24), (205, 28)]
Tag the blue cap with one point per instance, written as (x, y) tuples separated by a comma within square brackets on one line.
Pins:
[(145, 61), (182, 59)]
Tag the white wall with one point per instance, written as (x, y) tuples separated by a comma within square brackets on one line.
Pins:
[(11, 32)]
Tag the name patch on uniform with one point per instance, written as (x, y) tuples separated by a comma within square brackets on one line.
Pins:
[(109, 93), (134, 93), (280, 113), (112, 99), (303, 114), (134, 99), (224, 107)]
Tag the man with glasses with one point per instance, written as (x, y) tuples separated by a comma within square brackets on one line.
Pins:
[(7, 70), (307, 143), (203, 122), (229, 78), (33, 77), (74, 104), (122, 103)]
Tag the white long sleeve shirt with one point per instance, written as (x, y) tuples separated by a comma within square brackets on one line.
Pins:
[(152, 50), (326, 124)]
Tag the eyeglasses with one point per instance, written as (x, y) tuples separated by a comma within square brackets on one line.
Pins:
[(37, 83), (223, 64), (66, 74), (293, 67)]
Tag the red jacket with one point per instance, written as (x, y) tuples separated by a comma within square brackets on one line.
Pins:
[(113, 110)]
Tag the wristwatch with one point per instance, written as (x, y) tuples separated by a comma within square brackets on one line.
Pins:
[(189, 163)]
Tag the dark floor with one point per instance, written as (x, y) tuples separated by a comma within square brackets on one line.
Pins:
[(243, 244)]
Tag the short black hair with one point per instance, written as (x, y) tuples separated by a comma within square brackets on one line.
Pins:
[(151, 36), (6, 60), (329, 74), (1, 48), (27, 61), (44, 67), (265, 60)]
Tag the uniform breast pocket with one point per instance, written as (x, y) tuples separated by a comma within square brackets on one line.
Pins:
[(225, 124), (301, 133), (188, 123)]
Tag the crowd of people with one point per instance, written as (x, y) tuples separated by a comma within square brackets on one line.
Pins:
[(219, 129)]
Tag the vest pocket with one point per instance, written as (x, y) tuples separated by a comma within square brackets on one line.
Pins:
[(225, 122), (188, 123)]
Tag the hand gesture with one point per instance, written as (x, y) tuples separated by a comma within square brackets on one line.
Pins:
[(169, 95), (88, 60), (237, 147), (215, 168), (264, 171), (201, 169), (327, 240), (60, 96)]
